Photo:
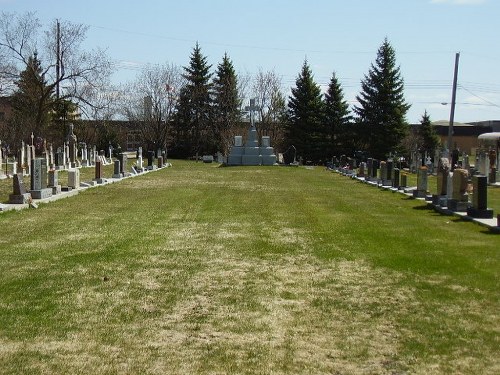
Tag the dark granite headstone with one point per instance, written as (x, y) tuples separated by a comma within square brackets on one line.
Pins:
[(98, 170), (19, 195), (395, 180), (479, 207), (19, 188)]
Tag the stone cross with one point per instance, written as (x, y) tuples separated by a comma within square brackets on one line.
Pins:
[(252, 108)]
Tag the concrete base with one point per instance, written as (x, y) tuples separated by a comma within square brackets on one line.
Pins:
[(481, 214), (419, 194), (56, 189), (251, 160), (19, 199), (458, 206), (41, 194)]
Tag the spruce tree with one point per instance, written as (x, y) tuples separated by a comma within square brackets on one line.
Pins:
[(382, 107), (337, 119), (32, 102), (226, 111), (194, 108), (430, 139), (305, 128)]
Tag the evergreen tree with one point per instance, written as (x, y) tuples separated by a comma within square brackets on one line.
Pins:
[(195, 120), (226, 103), (382, 107), (305, 128), (32, 102), (337, 119), (430, 139)]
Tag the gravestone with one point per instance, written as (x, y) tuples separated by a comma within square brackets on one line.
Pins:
[(139, 163), (390, 171), (19, 195), (459, 201), (384, 180), (421, 191), (362, 169), (395, 179), (123, 164), (39, 189), (443, 170), (72, 146), (267, 152), (151, 159), (54, 182), (404, 180), (479, 207), (375, 165), (160, 161), (369, 167), (251, 153), (74, 178), (98, 172), (117, 170)]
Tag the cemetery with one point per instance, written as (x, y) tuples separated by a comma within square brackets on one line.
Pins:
[(258, 251), (181, 268), (462, 192), (43, 172)]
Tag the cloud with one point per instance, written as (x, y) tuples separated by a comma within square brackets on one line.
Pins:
[(459, 2)]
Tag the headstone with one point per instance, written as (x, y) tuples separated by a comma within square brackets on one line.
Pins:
[(54, 182), (443, 169), (404, 180), (395, 179), (117, 170), (459, 201), (151, 159), (160, 161), (98, 172), (74, 178), (479, 207), (421, 191), (19, 195), (123, 163), (369, 165), (208, 159), (390, 171), (375, 164), (383, 174), (39, 188), (238, 141), (362, 170)]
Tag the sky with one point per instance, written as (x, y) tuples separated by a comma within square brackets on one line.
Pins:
[(340, 36)]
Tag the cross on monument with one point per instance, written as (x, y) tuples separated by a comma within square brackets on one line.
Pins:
[(252, 108)]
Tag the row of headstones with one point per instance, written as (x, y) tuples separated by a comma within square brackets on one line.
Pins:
[(452, 187), (45, 183), (59, 160)]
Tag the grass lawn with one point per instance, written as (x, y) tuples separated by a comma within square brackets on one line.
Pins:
[(246, 270)]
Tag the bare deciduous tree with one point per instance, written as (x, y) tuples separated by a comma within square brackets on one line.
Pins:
[(67, 70), (268, 92), (150, 101)]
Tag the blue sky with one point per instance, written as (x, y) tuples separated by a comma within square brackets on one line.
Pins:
[(340, 36)]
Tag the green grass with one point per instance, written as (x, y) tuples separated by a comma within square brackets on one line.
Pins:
[(199, 269)]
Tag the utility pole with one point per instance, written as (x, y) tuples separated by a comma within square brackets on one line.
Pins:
[(452, 110), (58, 58)]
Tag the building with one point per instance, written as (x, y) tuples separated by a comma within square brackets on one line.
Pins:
[(464, 135)]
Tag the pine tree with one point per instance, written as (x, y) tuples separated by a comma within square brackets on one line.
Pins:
[(337, 118), (382, 107), (430, 139), (226, 103), (32, 102), (194, 109), (305, 128)]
